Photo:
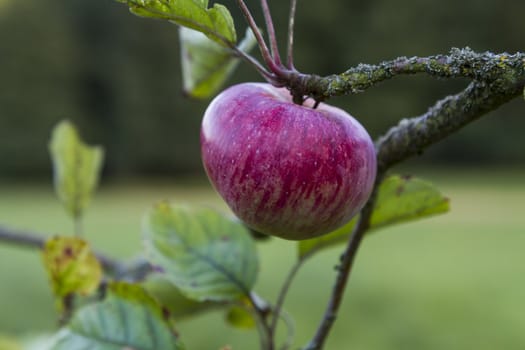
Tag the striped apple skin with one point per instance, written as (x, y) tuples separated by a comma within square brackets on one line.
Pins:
[(286, 170)]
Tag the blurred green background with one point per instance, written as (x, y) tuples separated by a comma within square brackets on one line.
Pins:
[(451, 282), (118, 76)]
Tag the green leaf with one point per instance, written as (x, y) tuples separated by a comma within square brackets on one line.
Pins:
[(399, 199), (206, 255), (76, 168), (205, 64), (171, 298), (71, 265), (127, 319), (216, 22)]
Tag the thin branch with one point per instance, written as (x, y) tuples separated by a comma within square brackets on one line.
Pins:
[(290, 325), (271, 32), (21, 238), (283, 292), (291, 26), (261, 310), (134, 270)]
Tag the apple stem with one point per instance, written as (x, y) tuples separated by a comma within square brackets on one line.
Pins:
[(265, 52), (291, 24), (271, 33)]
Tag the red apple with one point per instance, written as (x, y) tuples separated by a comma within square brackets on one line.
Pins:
[(286, 170)]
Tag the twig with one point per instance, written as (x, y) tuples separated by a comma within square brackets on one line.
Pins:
[(21, 238), (283, 292), (133, 271), (261, 310), (289, 322)]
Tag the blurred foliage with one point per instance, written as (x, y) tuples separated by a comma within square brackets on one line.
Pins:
[(118, 77)]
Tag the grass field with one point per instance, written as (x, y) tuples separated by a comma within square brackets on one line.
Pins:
[(450, 282)]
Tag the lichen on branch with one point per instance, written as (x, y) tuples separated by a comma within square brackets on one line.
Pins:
[(504, 68)]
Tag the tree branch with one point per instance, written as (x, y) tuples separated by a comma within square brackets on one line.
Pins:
[(450, 114), (459, 63)]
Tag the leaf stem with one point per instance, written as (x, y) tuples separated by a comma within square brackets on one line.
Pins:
[(291, 25), (271, 32), (265, 52), (78, 225)]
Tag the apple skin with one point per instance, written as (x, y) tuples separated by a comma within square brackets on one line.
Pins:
[(286, 170)]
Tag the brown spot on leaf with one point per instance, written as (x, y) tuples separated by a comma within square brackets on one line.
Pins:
[(68, 251)]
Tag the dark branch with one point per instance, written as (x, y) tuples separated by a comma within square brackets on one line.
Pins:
[(344, 269), (412, 136), (21, 239), (135, 270)]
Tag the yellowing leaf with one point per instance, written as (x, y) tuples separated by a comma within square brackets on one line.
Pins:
[(71, 265), (76, 168)]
